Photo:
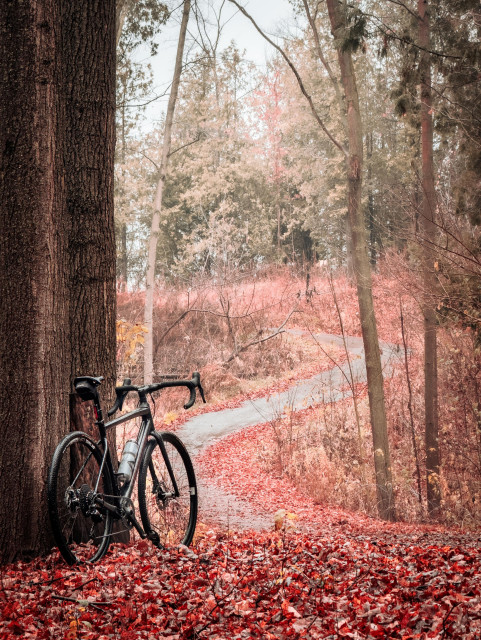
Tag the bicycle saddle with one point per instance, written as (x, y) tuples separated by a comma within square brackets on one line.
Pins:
[(94, 381), (85, 386)]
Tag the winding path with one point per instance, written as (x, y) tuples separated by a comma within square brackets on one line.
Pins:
[(204, 430)]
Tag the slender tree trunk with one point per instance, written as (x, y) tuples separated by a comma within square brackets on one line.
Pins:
[(123, 258), (33, 304), (278, 207), (362, 270), (370, 202), (428, 229), (410, 408), (154, 232), (122, 9)]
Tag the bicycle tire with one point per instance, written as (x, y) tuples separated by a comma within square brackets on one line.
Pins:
[(168, 521), (80, 537)]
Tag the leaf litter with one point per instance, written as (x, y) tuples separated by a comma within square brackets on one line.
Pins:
[(271, 584), (313, 572)]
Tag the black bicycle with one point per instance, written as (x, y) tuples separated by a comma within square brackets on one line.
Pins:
[(85, 495)]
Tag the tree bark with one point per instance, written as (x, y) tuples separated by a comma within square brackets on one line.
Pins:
[(354, 159), (57, 248), (428, 230), (33, 312), (154, 232), (88, 86), (88, 54)]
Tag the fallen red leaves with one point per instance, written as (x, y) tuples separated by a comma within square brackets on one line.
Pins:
[(341, 575), (344, 576), (254, 585)]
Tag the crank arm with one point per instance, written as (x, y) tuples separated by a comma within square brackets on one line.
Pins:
[(130, 516), (137, 525)]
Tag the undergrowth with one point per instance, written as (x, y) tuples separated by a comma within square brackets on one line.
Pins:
[(232, 330)]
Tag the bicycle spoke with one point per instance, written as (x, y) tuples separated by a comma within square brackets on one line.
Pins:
[(80, 528), (168, 514)]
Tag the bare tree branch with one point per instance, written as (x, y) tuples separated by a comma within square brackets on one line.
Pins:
[(150, 160), (187, 64), (404, 6), (316, 115), (177, 321), (322, 58), (187, 144), (246, 346)]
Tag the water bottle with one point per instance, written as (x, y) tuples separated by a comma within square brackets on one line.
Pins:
[(126, 465)]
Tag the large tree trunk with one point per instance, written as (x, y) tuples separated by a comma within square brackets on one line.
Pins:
[(57, 253), (428, 229), (88, 53), (154, 232), (362, 270), (89, 58), (33, 315)]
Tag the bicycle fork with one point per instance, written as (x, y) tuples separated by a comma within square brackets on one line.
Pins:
[(170, 471)]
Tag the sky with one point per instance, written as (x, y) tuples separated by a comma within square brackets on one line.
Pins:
[(270, 15)]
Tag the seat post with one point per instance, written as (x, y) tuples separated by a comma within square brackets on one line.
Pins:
[(86, 387), (98, 412)]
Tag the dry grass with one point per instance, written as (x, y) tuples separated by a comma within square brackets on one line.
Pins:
[(319, 450)]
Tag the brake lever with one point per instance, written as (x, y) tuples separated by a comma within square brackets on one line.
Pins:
[(191, 401), (195, 383)]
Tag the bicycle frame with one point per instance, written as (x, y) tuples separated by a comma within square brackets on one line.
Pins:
[(146, 429), (89, 498)]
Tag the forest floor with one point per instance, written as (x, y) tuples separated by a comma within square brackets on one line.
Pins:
[(269, 560), (314, 572), (302, 570)]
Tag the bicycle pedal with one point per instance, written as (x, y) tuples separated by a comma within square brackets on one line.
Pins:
[(155, 540)]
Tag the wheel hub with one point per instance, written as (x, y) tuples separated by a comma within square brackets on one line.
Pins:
[(162, 496), (86, 498)]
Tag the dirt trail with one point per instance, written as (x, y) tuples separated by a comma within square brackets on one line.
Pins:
[(201, 432)]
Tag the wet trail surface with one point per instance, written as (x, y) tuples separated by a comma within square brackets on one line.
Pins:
[(228, 511)]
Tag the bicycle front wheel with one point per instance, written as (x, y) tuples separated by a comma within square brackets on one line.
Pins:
[(168, 516), (81, 526)]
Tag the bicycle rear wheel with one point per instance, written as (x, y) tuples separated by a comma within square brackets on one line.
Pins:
[(172, 518), (80, 526)]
